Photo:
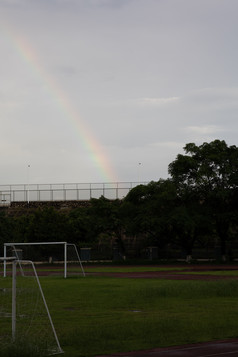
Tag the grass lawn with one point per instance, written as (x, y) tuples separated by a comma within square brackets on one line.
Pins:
[(99, 315)]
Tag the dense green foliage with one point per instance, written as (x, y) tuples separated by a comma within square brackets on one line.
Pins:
[(208, 176), (196, 207)]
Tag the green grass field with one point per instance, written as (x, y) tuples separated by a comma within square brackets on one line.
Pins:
[(101, 315)]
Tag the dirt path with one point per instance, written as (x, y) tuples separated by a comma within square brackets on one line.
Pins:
[(176, 274), (225, 348)]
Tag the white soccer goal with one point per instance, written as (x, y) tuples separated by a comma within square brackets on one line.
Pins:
[(45, 252), (25, 319)]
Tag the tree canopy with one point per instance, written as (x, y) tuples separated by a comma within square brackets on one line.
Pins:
[(197, 205), (209, 174)]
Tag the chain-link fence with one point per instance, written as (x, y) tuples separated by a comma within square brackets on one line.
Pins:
[(64, 191)]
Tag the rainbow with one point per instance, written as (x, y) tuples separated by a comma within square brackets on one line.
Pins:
[(97, 155)]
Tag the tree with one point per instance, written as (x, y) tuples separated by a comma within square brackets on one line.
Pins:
[(209, 174), (165, 216), (6, 229), (149, 210), (80, 225), (48, 225), (106, 217), (188, 224)]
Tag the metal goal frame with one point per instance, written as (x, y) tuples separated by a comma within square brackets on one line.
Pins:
[(14, 261), (65, 244)]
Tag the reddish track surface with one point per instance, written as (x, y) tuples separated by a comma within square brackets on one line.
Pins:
[(224, 348), (170, 274), (176, 274)]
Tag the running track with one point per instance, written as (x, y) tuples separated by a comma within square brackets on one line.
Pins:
[(224, 348)]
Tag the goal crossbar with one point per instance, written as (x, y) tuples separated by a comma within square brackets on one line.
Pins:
[(65, 244)]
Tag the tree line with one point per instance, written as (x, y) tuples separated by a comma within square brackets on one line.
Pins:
[(195, 207)]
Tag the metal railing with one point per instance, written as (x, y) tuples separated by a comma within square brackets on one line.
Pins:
[(64, 191)]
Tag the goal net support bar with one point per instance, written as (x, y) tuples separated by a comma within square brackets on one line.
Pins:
[(65, 245), (15, 305)]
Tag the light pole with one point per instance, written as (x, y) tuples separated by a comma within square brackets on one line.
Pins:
[(28, 183), (139, 178)]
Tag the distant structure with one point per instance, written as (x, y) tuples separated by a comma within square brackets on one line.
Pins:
[(27, 194)]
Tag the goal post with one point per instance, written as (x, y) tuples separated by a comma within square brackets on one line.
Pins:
[(25, 317), (77, 254), (64, 253)]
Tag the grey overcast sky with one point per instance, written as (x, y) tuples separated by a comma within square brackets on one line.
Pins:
[(112, 90)]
